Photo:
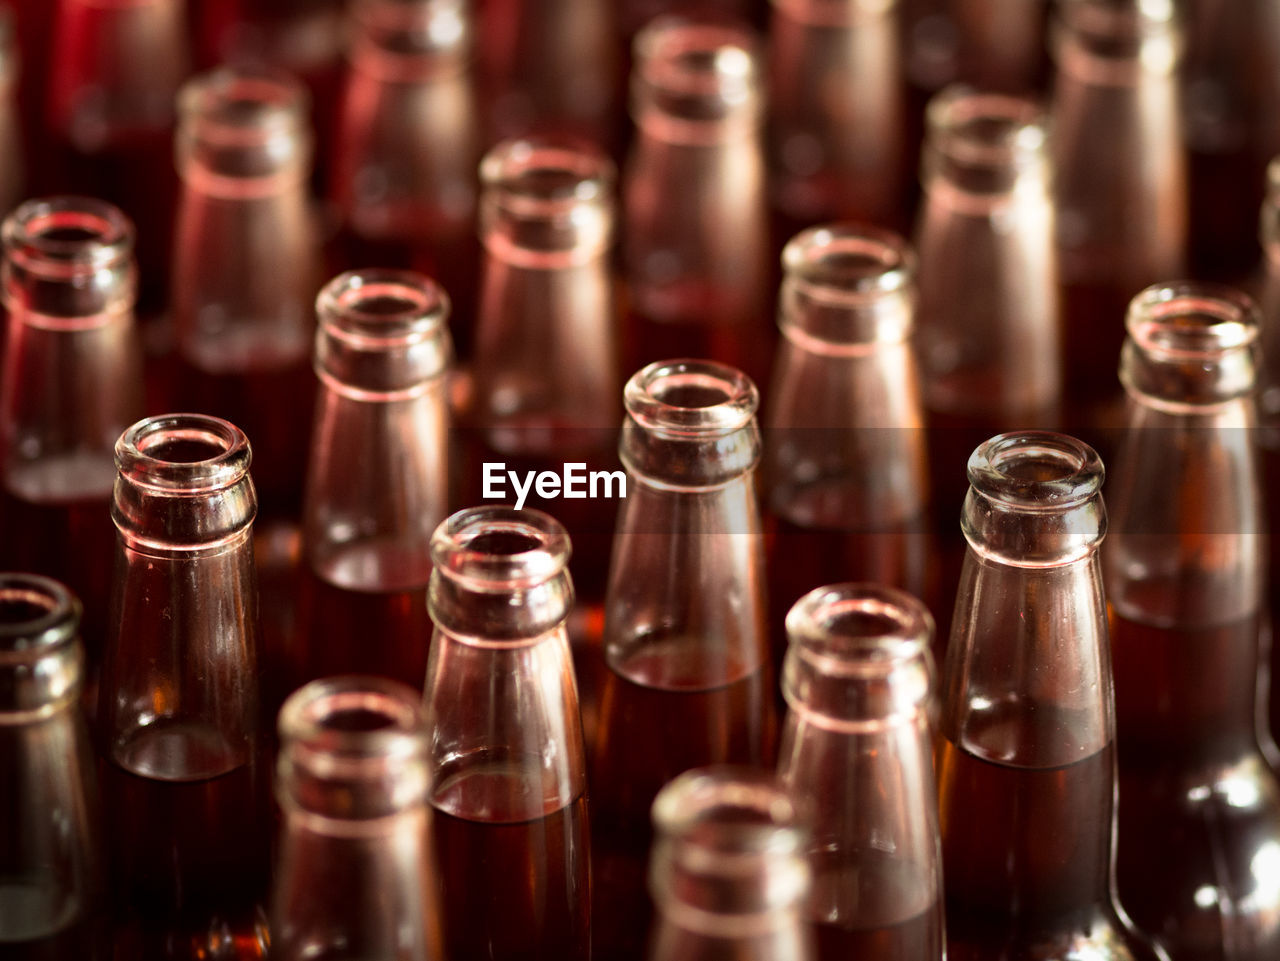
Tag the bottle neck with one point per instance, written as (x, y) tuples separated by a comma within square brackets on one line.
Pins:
[(1116, 44), (411, 41), (41, 658)]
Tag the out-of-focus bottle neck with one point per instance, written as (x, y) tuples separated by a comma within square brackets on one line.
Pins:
[(41, 659), (690, 426), (353, 755), (1191, 347), (847, 289), (183, 487), (411, 41), (696, 82), (858, 659), (547, 203), (383, 335), (243, 134), (990, 146), (1115, 42), (728, 861), (1035, 501), (68, 262), (834, 13), (500, 577)]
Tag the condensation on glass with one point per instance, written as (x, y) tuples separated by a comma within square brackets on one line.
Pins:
[(506, 746), (355, 876), (1186, 579)]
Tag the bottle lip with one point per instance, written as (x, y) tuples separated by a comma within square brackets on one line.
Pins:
[(1036, 470), (378, 309), (500, 548), (833, 13), (415, 28), (240, 106), (848, 262), (1192, 321), (689, 398), (547, 176), (725, 812), (859, 629), (699, 58), (67, 236), (36, 613), (191, 453), (347, 723), (986, 131)]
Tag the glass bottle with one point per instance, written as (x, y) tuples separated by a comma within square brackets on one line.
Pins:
[(356, 877), (844, 459), (836, 113), (246, 268), (1027, 756), (546, 382), (184, 788), (728, 872), (13, 161), (506, 746), (551, 68), (1001, 44), (378, 480), (50, 836), (1230, 95), (404, 164), (857, 757), (1185, 580), (685, 638), (1268, 412), (71, 384), (110, 117), (1120, 182), (695, 206)]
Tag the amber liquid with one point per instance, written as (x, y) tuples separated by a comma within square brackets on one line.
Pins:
[(871, 905), (512, 888), (1199, 807), (647, 735), (1093, 319), (188, 846)]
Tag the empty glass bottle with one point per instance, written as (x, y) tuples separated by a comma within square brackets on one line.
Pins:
[(355, 877), (856, 756), (1119, 181), (696, 244), (845, 447), (1185, 578), (689, 681), (545, 390), (50, 836), (404, 160), (1027, 759), (71, 384), (246, 268), (836, 127), (183, 785), (728, 871), (506, 746)]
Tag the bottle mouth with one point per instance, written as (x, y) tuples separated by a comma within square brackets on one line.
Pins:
[(66, 237), (848, 263), (414, 28), (545, 177), (497, 548), (192, 453), (1122, 22), (687, 58), (696, 399), (36, 613), (381, 309), (723, 812), (1034, 470), (348, 721), (833, 13), (859, 630), (1188, 321), (243, 107), (985, 132)]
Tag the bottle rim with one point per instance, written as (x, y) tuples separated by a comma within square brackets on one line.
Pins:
[(379, 308), (67, 236), (986, 131), (849, 262), (242, 106), (687, 57), (191, 453), (350, 723), (725, 812), (1192, 321), (52, 615), (422, 29), (691, 399), (859, 630), (1036, 470), (497, 548), (547, 176)]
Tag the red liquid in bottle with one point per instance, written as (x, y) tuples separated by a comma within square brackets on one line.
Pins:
[(1198, 803), (189, 851), (513, 889), (888, 891)]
